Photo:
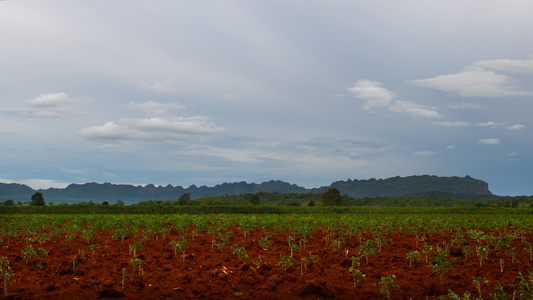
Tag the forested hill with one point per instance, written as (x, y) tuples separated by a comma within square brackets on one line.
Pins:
[(391, 187), (401, 186)]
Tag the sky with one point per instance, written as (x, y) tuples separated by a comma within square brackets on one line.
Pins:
[(308, 92)]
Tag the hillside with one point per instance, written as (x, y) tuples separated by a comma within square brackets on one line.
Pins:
[(391, 187), (401, 186)]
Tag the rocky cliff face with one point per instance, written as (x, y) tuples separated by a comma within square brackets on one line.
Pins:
[(483, 189)]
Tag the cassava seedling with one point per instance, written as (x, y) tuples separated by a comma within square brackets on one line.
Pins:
[(223, 239), (42, 251), (135, 246), (511, 251), (529, 249), (257, 262), (93, 248), (356, 261), (29, 253), (358, 276), (386, 284), (136, 264), (428, 249), (174, 246), (123, 276), (441, 264), (305, 260), (500, 293), (74, 262), (525, 286), (264, 242), (338, 243), (5, 272), (467, 251), (292, 247), (482, 252), (239, 251), (412, 256), (304, 242), (182, 246), (286, 262), (380, 242), (367, 249), (477, 281)]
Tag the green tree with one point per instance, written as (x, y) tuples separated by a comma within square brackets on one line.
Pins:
[(332, 197), (120, 203), (255, 200), (184, 199), (9, 202), (37, 199)]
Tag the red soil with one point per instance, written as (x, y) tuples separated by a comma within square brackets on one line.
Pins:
[(211, 273)]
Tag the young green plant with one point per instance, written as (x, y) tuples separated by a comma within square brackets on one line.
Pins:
[(358, 275), (386, 284), (5, 272), (477, 281), (441, 263), (412, 256)]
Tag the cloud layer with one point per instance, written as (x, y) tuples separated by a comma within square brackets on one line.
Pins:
[(374, 95), (474, 82)]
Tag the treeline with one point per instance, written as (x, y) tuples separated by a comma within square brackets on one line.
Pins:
[(278, 203), (311, 199)]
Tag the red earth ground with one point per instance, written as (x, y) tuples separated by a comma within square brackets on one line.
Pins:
[(208, 272)]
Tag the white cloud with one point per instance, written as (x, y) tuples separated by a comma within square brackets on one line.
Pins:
[(491, 141), (50, 100), (47, 114), (490, 124), (156, 108), (152, 129), (164, 86), (512, 154), (473, 82), (464, 105), (463, 124), (516, 127), (375, 95), (508, 65), (450, 147), (424, 153), (372, 93), (245, 155), (413, 109), (452, 124)]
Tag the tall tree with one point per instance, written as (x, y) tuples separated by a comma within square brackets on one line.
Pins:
[(184, 199), (37, 199), (332, 197)]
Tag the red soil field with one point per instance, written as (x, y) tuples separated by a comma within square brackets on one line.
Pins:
[(212, 273)]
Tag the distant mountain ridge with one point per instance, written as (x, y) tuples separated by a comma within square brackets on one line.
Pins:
[(390, 187)]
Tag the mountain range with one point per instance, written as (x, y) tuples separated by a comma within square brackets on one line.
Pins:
[(129, 194)]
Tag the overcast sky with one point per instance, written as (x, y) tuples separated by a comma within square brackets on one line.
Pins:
[(309, 92)]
